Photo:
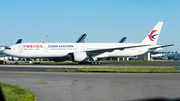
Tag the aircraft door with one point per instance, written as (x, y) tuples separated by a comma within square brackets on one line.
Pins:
[(20, 49), (45, 49), (82, 48)]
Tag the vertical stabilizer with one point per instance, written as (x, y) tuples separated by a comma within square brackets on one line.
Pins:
[(153, 35), (123, 40), (81, 38), (19, 41)]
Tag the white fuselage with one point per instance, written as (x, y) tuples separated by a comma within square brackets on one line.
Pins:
[(37, 50), (86, 51)]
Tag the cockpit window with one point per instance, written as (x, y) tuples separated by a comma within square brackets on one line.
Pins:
[(8, 48)]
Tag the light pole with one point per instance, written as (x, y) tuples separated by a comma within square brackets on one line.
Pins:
[(46, 38), (88, 40), (11, 41)]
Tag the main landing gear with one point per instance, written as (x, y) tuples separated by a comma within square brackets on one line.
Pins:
[(90, 62)]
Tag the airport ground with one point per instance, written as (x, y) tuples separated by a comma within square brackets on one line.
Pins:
[(105, 64), (73, 86)]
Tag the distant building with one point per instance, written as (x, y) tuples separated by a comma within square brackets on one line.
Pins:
[(2, 47), (158, 56), (2, 56)]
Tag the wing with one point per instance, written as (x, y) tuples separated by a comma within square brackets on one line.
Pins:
[(162, 46), (116, 48), (157, 47)]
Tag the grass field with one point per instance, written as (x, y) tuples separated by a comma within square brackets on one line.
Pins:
[(131, 70), (16, 93), (121, 70)]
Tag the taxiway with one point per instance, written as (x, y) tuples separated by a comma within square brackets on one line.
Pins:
[(75, 86)]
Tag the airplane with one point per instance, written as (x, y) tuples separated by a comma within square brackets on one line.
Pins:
[(172, 56), (86, 53), (80, 40), (1, 51)]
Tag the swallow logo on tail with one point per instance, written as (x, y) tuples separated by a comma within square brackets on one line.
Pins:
[(151, 36)]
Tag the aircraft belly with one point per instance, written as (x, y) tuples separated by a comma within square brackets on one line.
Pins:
[(123, 53)]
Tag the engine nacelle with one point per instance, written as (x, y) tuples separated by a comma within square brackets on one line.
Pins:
[(79, 56)]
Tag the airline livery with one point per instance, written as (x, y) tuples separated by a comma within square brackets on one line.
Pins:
[(86, 52), (80, 40), (152, 35)]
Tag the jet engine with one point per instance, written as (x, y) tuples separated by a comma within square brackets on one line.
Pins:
[(79, 56)]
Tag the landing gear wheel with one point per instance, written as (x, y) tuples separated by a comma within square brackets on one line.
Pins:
[(92, 63), (16, 63)]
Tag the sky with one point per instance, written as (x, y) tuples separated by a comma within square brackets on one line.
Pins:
[(104, 21)]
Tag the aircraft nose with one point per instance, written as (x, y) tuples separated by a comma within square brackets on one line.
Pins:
[(5, 52), (2, 53)]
